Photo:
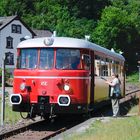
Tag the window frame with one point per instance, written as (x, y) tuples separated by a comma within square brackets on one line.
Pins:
[(11, 60), (16, 28), (24, 60), (9, 42), (68, 62)]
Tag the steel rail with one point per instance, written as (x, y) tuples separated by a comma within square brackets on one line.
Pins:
[(19, 130)]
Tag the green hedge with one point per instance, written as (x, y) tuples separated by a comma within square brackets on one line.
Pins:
[(7, 75)]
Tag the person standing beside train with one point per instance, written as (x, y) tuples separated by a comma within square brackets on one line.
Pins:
[(115, 94)]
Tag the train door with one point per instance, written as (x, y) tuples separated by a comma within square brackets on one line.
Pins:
[(88, 58), (92, 79)]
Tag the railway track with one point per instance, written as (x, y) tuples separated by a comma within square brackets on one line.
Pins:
[(42, 129)]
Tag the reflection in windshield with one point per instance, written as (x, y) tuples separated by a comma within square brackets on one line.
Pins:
[(32, 58), (67, 59), (46, 58), (28, 58)]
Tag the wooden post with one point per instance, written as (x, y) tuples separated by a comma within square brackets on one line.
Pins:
[(139, 104), (139, 69), (3, 93)]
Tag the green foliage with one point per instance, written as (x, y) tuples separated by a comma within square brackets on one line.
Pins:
[(115, 30), (11, 117), (57, 17), (16, 7), (133, 77), (119, 28), (112, 129), (109, 27), (7, 75), (110, 23)]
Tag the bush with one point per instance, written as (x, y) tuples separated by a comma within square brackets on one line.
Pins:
[(133, 77), (7, 75)]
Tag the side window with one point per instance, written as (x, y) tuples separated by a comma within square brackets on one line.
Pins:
[(101, 66), (97, 65), (86, 61), (109, 67), (9, 58), (121, 69), (115, 67), (16, 28), (9, 42), (13, 28), (104, 67)]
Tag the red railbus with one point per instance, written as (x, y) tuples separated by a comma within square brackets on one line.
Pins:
[(61, 75)]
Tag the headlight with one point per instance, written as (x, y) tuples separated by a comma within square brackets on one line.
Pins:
[(63, 100), (22, 86), (66, 87), (15, 99)]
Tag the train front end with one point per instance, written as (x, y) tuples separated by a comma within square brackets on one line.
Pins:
[(51, 80)]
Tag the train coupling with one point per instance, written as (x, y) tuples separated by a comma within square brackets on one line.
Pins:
[(15, 99)]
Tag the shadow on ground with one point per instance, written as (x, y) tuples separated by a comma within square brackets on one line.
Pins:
[(124, 108)]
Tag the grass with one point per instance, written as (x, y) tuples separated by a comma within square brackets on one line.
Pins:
[(133, 78), (125, 128), (134, 110), (10, 116)]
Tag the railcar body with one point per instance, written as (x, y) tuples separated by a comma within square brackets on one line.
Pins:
[(60, 75)]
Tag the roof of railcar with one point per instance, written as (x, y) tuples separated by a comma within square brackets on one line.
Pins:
[(66, 42)]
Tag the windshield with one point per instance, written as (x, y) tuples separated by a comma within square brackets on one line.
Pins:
[(32, 58), (68, 59), (46, 58), (28, 58)]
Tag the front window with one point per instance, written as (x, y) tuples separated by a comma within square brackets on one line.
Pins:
[(46, 58), (68, 59), (86, 61), (28, 59)]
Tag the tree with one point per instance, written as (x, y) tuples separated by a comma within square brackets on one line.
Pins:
[(16, 7), (119, 29), (55, 16), (69, 17)]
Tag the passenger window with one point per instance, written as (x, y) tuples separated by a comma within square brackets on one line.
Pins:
[(86, 61), (101, 66), (97, 65), (104, 67)]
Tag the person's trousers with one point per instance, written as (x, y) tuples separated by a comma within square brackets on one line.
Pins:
[(115, 107)]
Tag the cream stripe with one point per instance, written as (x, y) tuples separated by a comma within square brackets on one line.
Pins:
[(50, 77)]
